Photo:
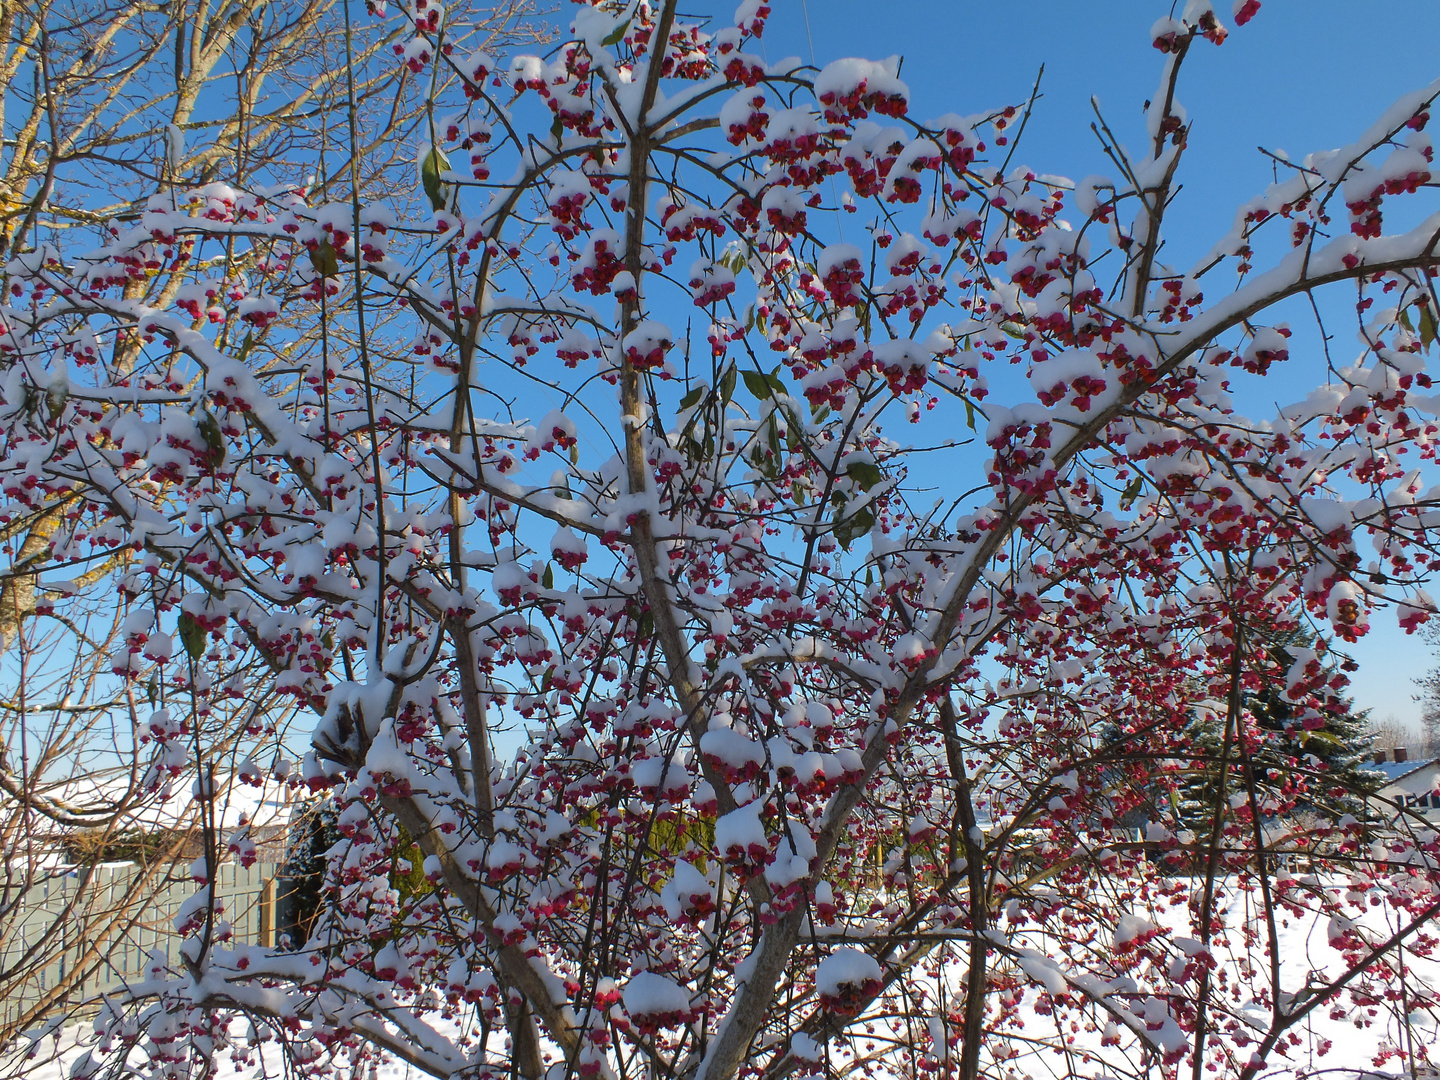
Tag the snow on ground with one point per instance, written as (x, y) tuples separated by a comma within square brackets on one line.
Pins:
[(58, 1054), (1339, 1041)]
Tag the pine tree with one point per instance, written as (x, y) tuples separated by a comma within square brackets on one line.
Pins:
[(1194, 796), (302, 875), (1309, 755), (1324, 743)]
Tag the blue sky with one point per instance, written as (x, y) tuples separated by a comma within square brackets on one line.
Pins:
[(1304, 75)]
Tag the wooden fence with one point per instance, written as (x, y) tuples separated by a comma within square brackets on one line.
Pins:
[(97, 925)]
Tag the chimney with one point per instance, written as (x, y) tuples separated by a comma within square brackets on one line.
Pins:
[(1401, 754), (1379, 757)]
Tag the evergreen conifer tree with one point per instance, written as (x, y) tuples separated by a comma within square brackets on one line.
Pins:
[(1309, 755), (1329, 744)]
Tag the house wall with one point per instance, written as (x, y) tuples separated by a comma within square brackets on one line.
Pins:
[(1416, 791)]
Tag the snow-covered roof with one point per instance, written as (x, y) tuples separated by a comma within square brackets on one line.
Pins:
[(1396, 770), (267, 804)]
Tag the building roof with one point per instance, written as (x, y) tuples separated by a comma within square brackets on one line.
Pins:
[(269, 804), (1397, 770)]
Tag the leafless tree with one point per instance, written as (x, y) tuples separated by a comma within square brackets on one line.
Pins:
[(112, 105)]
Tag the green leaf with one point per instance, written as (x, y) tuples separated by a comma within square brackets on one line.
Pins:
[(192, 635), (763, 386), (410, 882), (214, 440), (865, 473), (969, 414), (617, 35), (1132, 490), (1324, 738), (56, 396), (727, 385), (756, 384), (324, 260), (793, 428), (1427, 326), (692, 398), (853, 527), (767, 464), (434, 164), (645, 626), (557, 129), (547, 579), (249, 342)]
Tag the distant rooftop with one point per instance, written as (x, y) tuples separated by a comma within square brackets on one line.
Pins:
[(270, 803), (1394, 770), (1397, 763)]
